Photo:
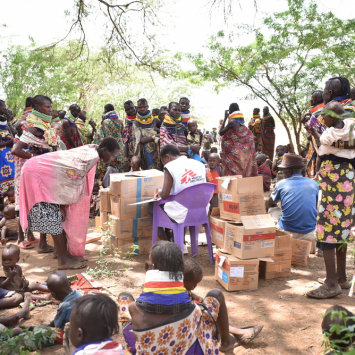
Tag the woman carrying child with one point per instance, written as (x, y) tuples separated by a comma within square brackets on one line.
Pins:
[(237, 143), (335, 214)]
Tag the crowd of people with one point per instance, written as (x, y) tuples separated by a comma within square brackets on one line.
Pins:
[(53, 163)]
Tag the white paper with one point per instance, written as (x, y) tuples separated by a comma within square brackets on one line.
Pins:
[(142, 202), (221, 261), (237, 271), (220, 273), (226, 183)]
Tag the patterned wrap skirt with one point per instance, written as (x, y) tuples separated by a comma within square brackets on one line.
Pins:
[(45, 218), (336, 210)]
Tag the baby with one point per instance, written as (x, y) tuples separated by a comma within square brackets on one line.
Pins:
[(59, 287), (14, 279), (93, 322), (194, 136), (136, 163), (10, 200), (9, 224)]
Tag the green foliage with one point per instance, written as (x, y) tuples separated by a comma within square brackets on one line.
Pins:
[(106, 263), (25, 342), (292, 54)]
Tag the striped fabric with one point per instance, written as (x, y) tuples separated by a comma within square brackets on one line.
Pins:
[(268, 136), (172, 135), (159, 288), (185, 117), (236, 116)]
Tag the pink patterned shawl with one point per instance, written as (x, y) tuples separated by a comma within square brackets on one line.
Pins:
[(66, 178)]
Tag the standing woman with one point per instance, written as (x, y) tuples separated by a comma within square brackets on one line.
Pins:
[(267, 134), (37, 138), (71, 134), (144, 130), (237, 144), (55, 197), (7, 167), (131, 113), (172, 131), (111, 127)]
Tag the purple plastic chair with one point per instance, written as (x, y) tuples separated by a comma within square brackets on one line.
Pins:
[(195, 198)]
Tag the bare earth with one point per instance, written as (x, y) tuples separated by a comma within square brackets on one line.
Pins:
[(291, 320)]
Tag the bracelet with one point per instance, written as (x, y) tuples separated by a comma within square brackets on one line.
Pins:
[(341, 144)]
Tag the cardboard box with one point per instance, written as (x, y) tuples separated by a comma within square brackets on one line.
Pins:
[(283, 241), (280, 267), (300, 252), (235, 274), (132, 187), (97, 224), (254, 239), (130, 228), (144, 244), (103, 220), (121, 209), (217, 226), (242, 197), (105, 202)]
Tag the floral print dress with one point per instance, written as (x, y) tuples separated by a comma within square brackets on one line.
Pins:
[(7, 167), (336, 210)]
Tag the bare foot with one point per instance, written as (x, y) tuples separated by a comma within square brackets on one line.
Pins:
[(42, 297), (14, 321), (231, 344), (3, 241), (77, 258), (71, 264), (25, 312)]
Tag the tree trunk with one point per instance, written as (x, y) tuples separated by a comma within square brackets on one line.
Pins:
[(288, 132)]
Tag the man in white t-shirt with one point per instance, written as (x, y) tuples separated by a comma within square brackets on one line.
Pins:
[(180, 172)]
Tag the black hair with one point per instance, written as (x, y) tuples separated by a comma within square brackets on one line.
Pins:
[(156, 109), (38, 99), (281, 146), (29, 102), (171, 150), (341, 316), (214, 150), (192, 269), (128, 102), (171, 104), (136, 159), (97, 316), (164, 108), (184, 98), (73, 106), (257, 109), (344, 85), (110, 143), (318, 93), (109, 108), (143, 101), (10, 189), (167, 256), (262, 156), (2, 102), (233, 107), (13, 247)]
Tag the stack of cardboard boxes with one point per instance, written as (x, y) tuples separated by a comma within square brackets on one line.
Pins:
[(247, 239), (129, 223)]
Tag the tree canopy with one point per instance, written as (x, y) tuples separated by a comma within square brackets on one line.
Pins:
[(292, 54)]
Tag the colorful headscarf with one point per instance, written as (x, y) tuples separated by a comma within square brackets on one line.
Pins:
[(111, 114), (236, 116), (159, 288), (185, 117), (146, 119), (43, 122)]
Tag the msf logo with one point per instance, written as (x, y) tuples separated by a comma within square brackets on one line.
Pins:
[(187, 177)]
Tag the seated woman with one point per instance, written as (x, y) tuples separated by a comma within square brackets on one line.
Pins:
[(165, 321)]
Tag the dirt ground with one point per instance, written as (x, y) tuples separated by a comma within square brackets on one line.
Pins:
[(291, 320)]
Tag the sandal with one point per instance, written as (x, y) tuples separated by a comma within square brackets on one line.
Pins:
[(323, 292), (48, 249), (345, 285), (25, 245), (77, 266), (256, 331), (33, 241)]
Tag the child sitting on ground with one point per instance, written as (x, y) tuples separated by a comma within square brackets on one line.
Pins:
[(213, 172), (193, 275), (280, 152), (14, 279), (95, 201), (9, 224), (93, 321), (135, 163), (10, 194), (334, 318), (59, 287)]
